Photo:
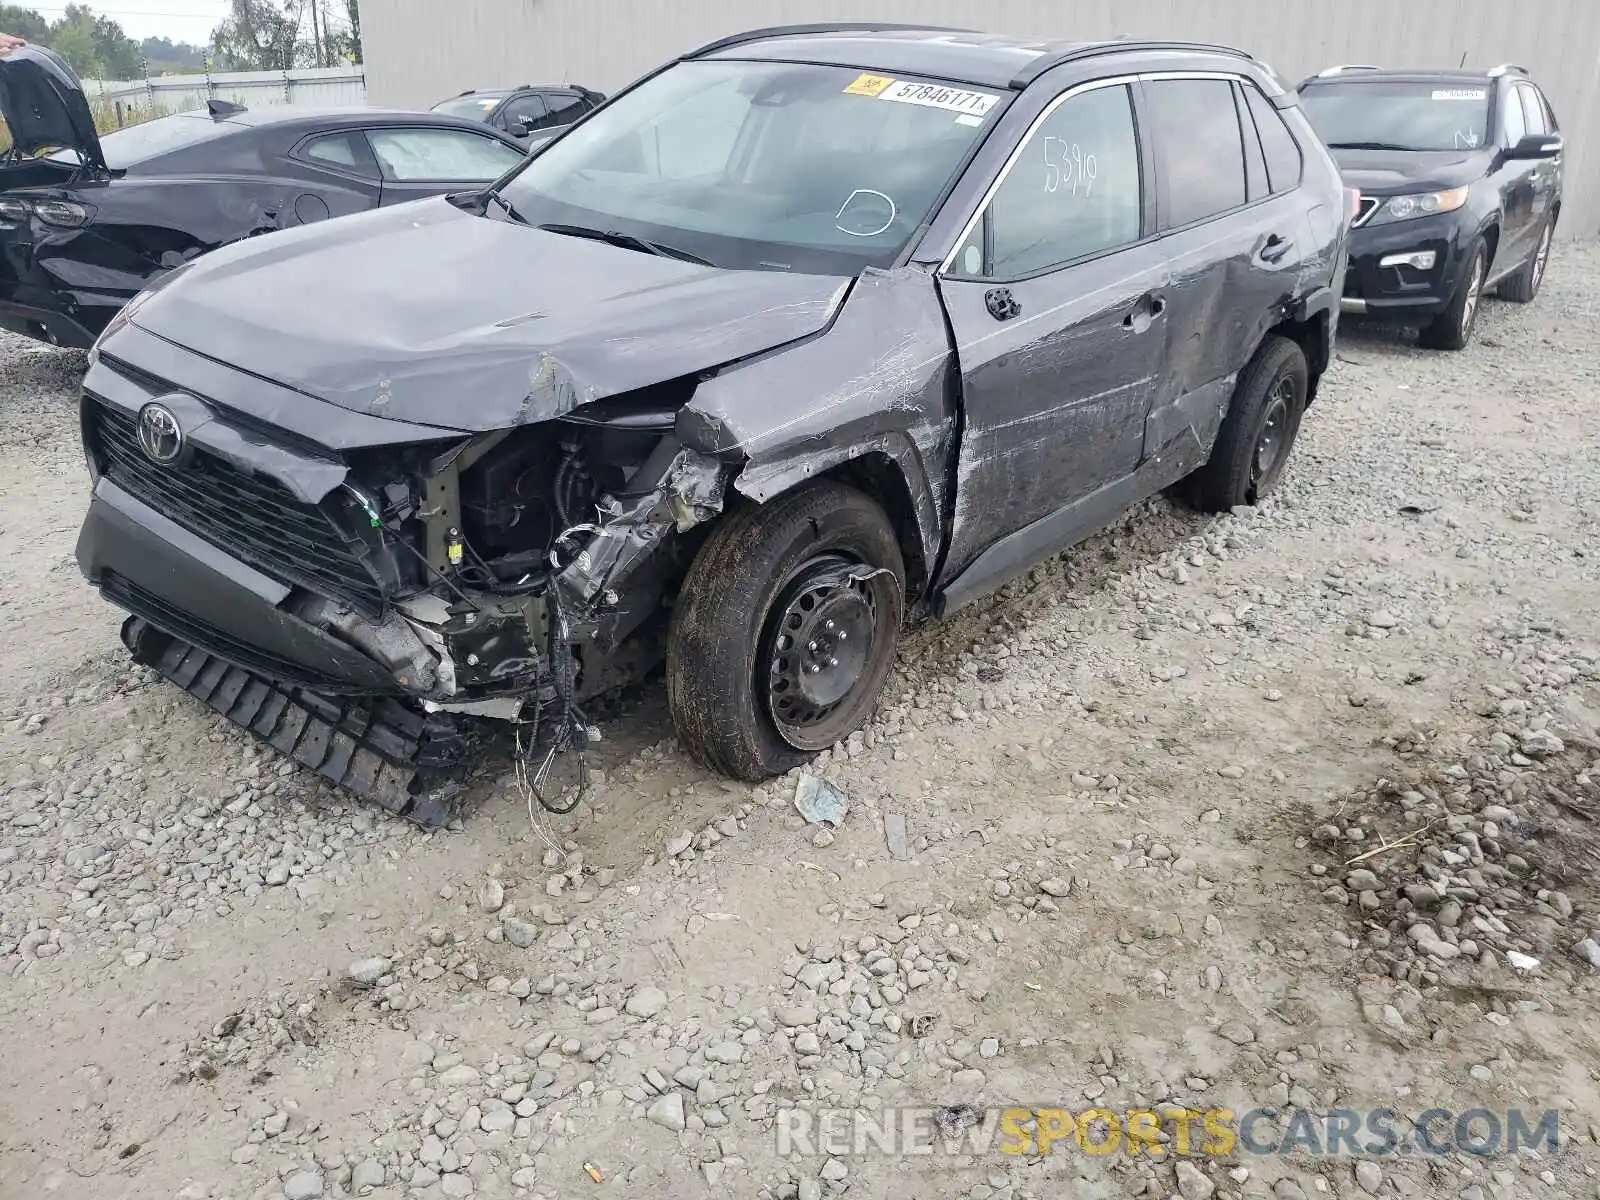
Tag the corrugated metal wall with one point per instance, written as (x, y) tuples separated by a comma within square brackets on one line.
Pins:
[(418, 51)]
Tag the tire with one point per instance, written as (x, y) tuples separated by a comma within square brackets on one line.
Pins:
[(821, 559), (1270, 396), (1452, 328), (1523, 286)]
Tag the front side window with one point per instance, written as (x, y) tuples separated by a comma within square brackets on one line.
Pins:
[(1072, 192), (1396, 115), (527, 110), (1533, 110), (407, 155), (761, 165), (1196, 131), (1512, 121)]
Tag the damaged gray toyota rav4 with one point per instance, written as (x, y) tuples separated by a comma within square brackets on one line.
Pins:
[(809, 332)]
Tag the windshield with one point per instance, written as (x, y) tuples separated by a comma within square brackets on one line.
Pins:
[(475, 108), (756, 165), (1399, 116)]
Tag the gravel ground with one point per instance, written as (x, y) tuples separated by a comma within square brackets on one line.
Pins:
[(1289, 808)]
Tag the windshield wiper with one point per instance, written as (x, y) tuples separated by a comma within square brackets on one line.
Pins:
[(627, 241), (510, 209), (1371, 146)]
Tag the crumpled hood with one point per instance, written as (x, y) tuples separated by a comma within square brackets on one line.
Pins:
[(1392, 172), (425, 313), (44, 105)]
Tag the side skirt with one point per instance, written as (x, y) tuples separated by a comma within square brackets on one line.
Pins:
[(1067, 526)]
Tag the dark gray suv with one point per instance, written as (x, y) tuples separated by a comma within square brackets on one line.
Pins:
[(808, 332)]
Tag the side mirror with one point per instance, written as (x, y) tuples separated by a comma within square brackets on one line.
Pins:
[(1537, 145), (517, 129)]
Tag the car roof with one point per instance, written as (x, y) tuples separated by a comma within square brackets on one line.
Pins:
[(288, 114), (984, 59), (1406, 75)]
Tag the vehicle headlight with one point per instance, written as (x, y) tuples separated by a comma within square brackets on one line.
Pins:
[(67, 214), (1422, 204), (12, 210)]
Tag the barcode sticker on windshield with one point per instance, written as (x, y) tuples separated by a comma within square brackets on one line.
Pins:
[(1460, 94), (931, 95)]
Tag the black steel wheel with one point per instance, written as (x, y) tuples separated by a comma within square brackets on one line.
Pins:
[(1257, 435), (785, 629), (822, 643)]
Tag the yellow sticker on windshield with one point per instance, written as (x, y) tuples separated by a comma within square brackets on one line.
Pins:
[(868, 85)]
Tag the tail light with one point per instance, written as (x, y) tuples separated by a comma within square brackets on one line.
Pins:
[(1352, 206), (67, 214)]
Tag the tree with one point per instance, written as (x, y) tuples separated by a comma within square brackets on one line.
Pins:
[(24, 23), (259, 35), (346, 43)]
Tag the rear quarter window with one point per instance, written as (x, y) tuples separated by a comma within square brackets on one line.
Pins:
[(1284, 163)]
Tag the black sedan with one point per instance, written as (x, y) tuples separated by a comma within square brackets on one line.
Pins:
[(87, 222)]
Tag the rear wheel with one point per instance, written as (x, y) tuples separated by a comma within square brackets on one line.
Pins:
[(1523, 286), (785, 629), (1452, 328), (1256, 436)]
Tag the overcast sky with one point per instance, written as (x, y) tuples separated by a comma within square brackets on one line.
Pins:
[(180, 20)]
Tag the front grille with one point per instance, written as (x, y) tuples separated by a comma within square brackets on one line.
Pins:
[(1367, 206), (179, 624), (251, 517)]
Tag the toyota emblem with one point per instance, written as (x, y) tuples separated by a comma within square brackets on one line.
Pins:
[(160, 435)]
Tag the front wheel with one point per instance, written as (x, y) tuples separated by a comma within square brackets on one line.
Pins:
[(1263, 418), (1523, 286), (785, 630), (1452, 328)]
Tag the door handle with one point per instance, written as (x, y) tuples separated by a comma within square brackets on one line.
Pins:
[(1144, 312), (1274, 249), (1002, 305)]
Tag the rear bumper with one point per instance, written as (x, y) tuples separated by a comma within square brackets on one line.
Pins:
[(47, 323), (1379, 286)]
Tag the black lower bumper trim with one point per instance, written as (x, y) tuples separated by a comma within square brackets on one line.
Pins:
[(377, 749)]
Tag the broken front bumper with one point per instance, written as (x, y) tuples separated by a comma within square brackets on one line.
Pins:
[(215, 627)]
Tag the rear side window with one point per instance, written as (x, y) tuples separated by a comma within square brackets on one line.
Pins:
[(1073, 191), (1197, 139), (1284, 164), (342, 150)]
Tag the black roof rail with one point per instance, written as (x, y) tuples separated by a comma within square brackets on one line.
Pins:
[(776, 31), (222, 108), (1048, 62)]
